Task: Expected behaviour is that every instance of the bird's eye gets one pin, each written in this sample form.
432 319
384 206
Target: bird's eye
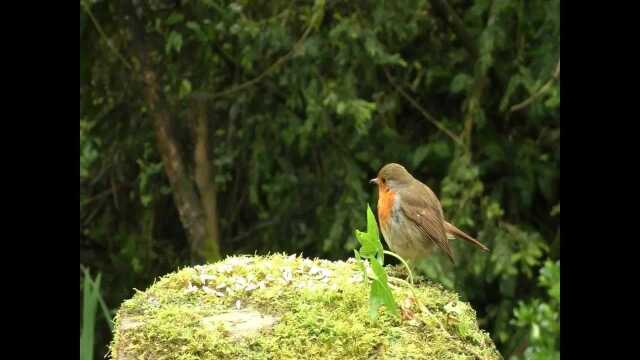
384 180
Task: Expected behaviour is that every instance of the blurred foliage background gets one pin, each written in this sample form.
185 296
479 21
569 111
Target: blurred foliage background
216 127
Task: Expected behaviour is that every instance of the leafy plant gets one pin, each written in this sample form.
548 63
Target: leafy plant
541 317
373 251
91 297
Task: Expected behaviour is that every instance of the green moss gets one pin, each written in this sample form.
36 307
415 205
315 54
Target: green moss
287 307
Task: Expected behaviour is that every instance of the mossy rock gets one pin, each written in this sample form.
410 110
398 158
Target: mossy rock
288 307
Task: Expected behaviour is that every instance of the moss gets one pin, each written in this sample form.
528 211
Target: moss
288 307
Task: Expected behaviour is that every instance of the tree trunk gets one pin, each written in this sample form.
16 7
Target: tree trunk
189 207
204 180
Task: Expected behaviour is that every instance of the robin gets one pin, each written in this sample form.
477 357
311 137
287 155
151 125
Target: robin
410 215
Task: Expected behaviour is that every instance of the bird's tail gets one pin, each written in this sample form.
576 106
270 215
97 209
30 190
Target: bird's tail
451 229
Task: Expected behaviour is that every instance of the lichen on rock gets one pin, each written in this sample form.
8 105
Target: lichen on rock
289 307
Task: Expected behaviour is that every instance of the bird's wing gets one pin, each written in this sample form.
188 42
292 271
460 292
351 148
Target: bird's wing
423 208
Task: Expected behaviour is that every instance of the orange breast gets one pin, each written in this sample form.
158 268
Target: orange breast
386 200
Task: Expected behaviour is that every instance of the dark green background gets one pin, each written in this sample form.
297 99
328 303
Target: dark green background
303 102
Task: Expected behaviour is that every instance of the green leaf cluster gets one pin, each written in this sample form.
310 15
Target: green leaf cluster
372 250
540 317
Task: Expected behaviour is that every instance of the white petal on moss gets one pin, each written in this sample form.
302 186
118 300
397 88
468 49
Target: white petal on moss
154 302
211 291
239 282
191 288
319 273
206 277
239 261
225 268
454 307
287 275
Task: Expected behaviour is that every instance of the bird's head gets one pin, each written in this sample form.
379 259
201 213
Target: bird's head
391 177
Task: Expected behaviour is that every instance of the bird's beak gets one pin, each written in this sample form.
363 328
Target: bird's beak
374 181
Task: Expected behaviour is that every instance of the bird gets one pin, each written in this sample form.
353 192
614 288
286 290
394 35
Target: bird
411 217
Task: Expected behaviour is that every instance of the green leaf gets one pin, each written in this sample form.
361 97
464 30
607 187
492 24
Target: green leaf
440 149
174 42
317 13
555 210
376 298
235 7
185 88
361 111
535 331
378 270
554 99
550 278
419 155
460 83
368 249
513 84
195 27
361 265
174 18
372 230
379 55
381 295
146 200
389 301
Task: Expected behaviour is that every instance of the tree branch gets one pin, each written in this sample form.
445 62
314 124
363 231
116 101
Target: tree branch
446 12
480 82
424 113
207 96
227 59
255 229
540 92
103 35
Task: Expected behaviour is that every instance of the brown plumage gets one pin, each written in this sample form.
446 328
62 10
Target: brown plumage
411 217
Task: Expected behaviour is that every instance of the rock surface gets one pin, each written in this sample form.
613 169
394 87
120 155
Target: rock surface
288 307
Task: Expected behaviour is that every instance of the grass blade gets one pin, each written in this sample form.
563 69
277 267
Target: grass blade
103 304
89 304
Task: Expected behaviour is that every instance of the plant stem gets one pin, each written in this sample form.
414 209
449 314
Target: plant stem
403 262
